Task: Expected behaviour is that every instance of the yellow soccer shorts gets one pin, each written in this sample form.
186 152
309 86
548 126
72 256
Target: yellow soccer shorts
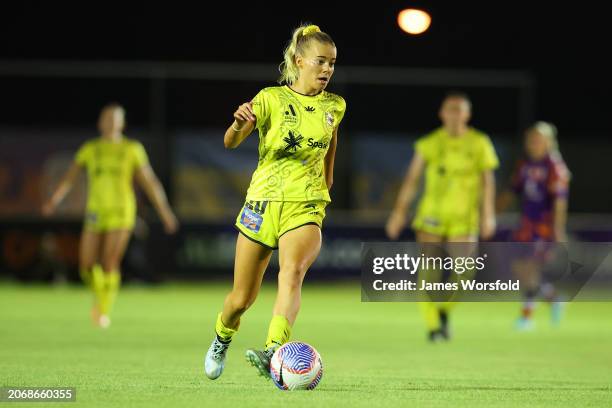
103 220
447 225
266 221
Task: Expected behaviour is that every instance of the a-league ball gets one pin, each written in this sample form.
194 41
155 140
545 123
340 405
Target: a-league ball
296 366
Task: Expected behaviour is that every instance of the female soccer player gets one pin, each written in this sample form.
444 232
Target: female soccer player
458 201
541 181
285 203
111 161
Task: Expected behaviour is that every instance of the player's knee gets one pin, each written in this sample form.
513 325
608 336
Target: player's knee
292 274
241 301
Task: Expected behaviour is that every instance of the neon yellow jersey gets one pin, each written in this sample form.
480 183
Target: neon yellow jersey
453 175
110 169
294 135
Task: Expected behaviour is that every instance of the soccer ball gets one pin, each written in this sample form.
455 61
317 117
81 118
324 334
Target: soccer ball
296 366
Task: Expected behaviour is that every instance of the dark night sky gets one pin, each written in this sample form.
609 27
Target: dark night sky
564 47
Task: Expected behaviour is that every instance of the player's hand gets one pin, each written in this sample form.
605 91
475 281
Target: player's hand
560 236
170 222
47 209
488 225
244 114
395 225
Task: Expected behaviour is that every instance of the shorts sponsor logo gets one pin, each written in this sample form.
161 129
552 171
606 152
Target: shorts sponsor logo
251 220
257 206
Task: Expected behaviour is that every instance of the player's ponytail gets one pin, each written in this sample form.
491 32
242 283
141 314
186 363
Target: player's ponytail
549 131
301 38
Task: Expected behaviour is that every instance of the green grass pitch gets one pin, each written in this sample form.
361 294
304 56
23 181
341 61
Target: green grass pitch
374 355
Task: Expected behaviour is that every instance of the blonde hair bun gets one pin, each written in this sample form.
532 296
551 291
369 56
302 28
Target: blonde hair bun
300 40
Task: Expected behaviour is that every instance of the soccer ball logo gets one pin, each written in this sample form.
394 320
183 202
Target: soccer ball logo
296 366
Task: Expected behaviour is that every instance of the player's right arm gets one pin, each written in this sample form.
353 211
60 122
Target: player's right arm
508 197
62 189
560 219
243 125
488 223
408 190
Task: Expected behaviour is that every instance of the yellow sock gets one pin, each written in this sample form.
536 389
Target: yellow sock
224 332
430 313
113 282
98 283
447 306
278 332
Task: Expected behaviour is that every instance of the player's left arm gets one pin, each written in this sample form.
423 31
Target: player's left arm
488 222
560 219
488 163
329 159
146 178
559 187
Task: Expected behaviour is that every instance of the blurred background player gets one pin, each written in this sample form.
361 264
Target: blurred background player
458 200
112 162
541 182
285 203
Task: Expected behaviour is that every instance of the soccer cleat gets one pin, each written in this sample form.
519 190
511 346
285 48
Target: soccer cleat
444 326
445 333
98 319
260 360
524 324
215 358
104 321
435 336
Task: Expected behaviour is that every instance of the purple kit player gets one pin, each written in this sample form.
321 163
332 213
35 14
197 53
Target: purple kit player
541 181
